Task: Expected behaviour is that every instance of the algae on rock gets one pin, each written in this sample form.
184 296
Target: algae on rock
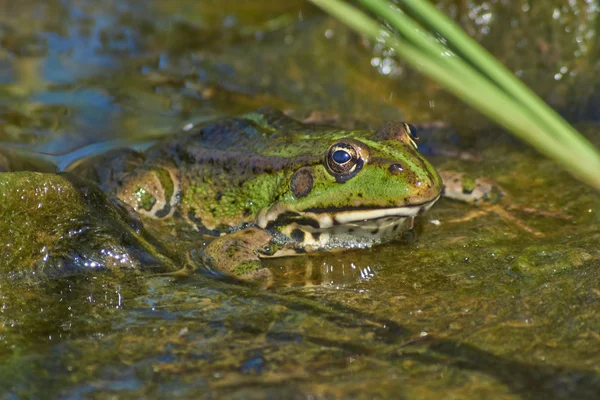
57 224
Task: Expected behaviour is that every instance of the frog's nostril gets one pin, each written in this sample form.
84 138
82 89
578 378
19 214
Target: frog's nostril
395 169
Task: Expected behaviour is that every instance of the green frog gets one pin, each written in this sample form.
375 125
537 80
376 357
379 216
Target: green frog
266 185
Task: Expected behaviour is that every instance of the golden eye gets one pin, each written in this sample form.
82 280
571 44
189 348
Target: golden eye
344 160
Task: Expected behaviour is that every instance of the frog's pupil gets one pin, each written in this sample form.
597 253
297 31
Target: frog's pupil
341 156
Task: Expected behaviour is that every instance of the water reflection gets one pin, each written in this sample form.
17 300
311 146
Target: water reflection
321 270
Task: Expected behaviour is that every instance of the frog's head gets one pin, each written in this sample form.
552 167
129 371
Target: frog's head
363 190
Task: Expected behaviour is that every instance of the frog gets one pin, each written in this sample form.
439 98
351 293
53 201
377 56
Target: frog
265 185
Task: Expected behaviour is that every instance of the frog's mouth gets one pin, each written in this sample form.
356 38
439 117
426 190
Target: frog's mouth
327 229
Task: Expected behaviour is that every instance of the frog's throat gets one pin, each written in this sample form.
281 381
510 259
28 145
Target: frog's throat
339 229
328 218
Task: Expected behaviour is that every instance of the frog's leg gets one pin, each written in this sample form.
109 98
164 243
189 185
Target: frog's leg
486 194
236 254
502 213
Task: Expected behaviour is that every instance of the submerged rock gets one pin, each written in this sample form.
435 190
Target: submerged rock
57 224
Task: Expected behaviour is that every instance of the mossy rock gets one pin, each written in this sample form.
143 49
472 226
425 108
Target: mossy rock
57 224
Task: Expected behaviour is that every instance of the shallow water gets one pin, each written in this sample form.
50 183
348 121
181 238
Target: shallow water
477 308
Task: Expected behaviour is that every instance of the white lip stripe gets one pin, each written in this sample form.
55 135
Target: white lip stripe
326 219
362 215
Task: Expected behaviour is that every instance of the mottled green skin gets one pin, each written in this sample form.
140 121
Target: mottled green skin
233 168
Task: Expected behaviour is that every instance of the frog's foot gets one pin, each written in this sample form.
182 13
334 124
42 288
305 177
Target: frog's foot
502 213
461 187
236 255
486 194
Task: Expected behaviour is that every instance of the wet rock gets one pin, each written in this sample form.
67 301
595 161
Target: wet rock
58 224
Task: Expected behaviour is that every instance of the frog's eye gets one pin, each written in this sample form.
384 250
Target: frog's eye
344 160
413 134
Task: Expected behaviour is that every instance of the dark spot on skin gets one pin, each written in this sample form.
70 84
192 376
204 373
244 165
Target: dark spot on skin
297 235
201 228
289 214
396 227
411 177
302 182
467 190
308 222
351 230
300 251
456 180
316 235
272 225
287 218
192 217
395 169
376 231
163 212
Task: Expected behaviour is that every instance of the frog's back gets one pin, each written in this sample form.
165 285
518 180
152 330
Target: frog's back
264 132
